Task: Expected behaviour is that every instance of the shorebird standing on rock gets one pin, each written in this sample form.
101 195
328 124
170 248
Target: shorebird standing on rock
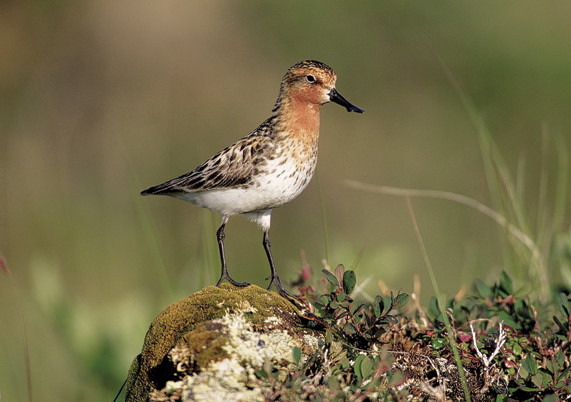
270 166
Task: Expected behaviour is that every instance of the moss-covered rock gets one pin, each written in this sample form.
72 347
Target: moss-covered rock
214 331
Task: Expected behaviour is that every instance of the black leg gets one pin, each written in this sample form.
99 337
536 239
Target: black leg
220 236
275 279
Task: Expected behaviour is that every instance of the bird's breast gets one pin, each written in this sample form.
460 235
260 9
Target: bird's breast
286 174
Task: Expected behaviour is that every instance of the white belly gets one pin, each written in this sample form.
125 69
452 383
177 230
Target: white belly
278 184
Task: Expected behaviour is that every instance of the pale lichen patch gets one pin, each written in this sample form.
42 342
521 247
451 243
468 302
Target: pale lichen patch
221 381
248 350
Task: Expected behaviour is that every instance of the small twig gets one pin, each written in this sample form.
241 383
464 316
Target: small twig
415 296
499 344
421 313
487 360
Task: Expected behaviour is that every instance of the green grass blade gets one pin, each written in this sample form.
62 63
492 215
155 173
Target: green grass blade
441 301
323 217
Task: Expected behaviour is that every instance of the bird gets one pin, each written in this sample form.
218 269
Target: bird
268 167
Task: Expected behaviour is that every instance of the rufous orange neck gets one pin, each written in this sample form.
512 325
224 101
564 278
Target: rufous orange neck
300 119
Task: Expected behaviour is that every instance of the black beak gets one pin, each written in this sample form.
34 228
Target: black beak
336 97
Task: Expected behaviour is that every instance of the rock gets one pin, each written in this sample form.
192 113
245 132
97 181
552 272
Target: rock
209 345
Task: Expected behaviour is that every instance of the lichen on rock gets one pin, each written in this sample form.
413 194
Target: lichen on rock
212 342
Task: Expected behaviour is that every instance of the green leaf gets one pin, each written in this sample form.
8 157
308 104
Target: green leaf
516 349
483 289
564 373
296 355
508 320
344 362
367 367
530 364
349 281
559 324
538 379
349 329
552 367
357 367
560 358
506 283
322 300
401 300
378 306
438 343
341 297
332 279
529 389
328 337
434 309
550 398
563 304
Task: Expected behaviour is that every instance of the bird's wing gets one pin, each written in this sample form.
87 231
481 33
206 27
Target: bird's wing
231 167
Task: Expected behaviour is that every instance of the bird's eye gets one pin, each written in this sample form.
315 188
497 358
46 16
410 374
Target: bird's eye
310 78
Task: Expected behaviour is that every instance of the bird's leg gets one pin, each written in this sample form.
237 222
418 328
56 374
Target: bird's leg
275 279
220 236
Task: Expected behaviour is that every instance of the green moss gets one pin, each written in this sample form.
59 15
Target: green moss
183 316
206 345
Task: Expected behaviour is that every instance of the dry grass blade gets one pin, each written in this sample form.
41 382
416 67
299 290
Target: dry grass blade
450 196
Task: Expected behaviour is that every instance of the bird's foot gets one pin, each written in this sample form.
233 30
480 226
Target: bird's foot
283 291
232 281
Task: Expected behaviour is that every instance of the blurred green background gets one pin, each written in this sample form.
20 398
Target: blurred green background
100 99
